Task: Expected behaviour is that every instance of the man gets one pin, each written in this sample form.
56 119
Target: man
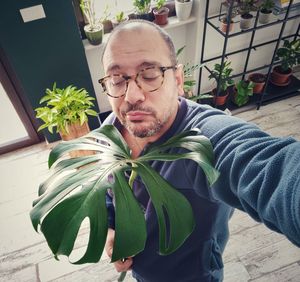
259 173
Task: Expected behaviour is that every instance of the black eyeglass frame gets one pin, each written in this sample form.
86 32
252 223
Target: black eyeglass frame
134 77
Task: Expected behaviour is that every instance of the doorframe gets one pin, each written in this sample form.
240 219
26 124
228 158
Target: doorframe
10 85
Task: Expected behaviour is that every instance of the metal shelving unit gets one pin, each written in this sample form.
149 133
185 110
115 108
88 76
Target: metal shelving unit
270 92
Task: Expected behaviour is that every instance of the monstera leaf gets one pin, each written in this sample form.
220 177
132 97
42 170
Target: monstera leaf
76 190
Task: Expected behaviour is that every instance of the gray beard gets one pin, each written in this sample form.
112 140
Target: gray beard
151 130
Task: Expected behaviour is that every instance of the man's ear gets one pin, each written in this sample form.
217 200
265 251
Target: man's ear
179 76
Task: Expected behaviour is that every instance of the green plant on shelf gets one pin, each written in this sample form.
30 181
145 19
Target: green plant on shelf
244 89
266 5
222 75
142 6
289 54
188 71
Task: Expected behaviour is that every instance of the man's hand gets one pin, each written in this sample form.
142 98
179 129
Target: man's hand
120 265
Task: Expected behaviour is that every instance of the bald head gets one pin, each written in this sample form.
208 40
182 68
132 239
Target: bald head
141 27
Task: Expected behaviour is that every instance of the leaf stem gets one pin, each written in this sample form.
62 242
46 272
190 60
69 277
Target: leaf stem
133 175
122 276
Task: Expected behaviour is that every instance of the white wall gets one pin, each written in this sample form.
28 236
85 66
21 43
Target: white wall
190 33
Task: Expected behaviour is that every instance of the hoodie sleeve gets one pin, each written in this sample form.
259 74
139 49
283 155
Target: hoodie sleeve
260 174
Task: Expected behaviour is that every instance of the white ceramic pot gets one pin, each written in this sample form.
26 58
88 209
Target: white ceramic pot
264 17
183 9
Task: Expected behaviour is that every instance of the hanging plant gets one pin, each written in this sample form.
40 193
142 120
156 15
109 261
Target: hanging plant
77 187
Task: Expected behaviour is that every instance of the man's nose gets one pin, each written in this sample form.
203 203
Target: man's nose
134 93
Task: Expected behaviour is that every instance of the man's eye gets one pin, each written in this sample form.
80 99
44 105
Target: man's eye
117 81
149 78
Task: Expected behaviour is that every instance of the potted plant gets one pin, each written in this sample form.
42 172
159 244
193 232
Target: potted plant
183 9
265 11
66 110
221 74
94 29
242 91
142 8
188 81
245 7
289 55
77 190
259 81
106 22
227 22
119 17
161 12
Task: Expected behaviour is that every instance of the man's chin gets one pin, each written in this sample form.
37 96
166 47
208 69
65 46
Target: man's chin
141 130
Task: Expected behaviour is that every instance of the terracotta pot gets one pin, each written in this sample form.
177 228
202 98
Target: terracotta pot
221 99
280 78
161 15
107 26
75 131
224 26
259 81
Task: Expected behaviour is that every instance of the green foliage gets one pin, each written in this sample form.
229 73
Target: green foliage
106 14
88 9
222 75
266 5
188 71
289 54
64 107
246 6
160 4
77 188
120 17
244 90
142 6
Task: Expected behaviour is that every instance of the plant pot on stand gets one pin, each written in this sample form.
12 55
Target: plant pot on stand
94 34
183 9
246 21
225 25
221 98
281 77
161 15
259 81
264 16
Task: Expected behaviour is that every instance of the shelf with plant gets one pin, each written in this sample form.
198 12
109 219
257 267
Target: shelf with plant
222 74
242 91
265 11
288 56
161 12
94 29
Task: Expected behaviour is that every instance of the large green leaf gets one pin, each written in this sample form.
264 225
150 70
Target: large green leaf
171 208
77 187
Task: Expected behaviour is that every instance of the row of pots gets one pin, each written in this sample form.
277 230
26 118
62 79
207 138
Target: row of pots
278 78
180 9
246 21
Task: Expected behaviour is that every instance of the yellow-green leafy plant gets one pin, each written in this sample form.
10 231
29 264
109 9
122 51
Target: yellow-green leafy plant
63 107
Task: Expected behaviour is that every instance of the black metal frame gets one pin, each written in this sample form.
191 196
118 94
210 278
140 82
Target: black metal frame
264 97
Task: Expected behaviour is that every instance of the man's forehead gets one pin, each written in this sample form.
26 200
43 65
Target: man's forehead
137 41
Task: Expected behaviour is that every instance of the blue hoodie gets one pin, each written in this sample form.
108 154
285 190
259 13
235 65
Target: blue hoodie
260 174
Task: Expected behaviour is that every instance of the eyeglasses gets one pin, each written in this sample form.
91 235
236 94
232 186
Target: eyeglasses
148 79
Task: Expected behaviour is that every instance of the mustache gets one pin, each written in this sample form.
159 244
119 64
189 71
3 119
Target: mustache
137 107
